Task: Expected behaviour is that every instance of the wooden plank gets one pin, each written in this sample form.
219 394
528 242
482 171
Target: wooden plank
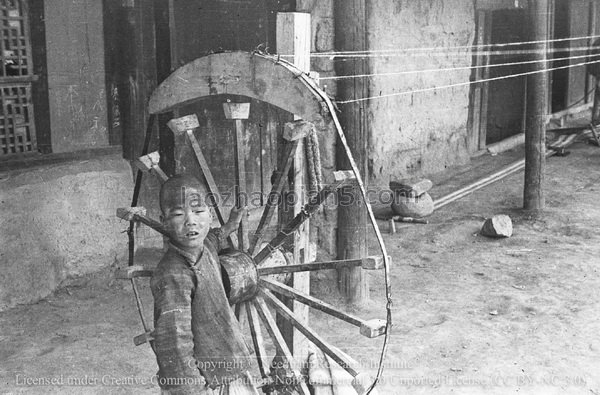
293 32
311 301
293 38
348 365
264 80
241 193
369 263
257 339
206 173
279 342
368 328
133 272
134 216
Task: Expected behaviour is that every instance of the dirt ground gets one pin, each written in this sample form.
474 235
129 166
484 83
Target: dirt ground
472 315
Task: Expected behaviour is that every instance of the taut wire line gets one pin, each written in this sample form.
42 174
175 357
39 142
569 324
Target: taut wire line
344 58
463 83
428 49
393 73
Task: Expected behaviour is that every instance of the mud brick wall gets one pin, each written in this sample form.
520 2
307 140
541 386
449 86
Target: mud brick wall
58 222
418 133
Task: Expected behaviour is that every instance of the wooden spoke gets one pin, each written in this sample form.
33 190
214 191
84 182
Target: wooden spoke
279 342
342 360
368 263
206 173
310 208
274 195
131 214
371 328
241 196
210 181
257 339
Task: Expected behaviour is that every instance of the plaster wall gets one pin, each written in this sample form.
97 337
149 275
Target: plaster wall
58 222
418 133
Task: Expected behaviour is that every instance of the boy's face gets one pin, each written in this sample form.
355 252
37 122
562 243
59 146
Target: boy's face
186 217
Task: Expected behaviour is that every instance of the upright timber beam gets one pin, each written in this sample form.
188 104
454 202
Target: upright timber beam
293 38
351 35
537 99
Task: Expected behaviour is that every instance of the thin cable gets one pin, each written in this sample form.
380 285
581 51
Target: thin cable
428 49
463 83
452 68
477 53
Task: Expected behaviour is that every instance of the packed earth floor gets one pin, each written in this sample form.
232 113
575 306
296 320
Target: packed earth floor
472 315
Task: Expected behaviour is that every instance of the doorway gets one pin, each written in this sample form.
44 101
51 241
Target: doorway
506 100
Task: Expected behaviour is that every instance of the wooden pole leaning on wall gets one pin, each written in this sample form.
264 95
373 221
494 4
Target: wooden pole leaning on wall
537 100
350 35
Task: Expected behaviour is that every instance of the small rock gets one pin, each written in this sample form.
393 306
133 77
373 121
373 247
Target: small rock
416 207
497 226
494 312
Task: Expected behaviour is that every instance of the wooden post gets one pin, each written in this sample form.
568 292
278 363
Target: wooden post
293 38
537 98
239 112
350 35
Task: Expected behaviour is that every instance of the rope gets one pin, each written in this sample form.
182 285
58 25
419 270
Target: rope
463 83
313 156
453 68
430 49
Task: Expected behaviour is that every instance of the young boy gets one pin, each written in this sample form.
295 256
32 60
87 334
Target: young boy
197 339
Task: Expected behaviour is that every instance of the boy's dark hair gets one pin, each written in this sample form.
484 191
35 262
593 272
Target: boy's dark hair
175 186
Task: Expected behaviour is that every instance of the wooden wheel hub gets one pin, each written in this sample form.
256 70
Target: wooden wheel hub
240 276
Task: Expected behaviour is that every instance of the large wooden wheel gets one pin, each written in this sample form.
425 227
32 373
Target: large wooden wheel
253 272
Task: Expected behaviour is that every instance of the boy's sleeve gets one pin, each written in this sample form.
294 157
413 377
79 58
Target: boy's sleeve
217 240
173 338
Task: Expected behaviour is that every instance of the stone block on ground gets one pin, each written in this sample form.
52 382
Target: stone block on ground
497 226
415 207
411 187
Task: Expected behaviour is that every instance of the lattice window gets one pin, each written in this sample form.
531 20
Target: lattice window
16 123
17 131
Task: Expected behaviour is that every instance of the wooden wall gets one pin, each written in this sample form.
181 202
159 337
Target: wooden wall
75 62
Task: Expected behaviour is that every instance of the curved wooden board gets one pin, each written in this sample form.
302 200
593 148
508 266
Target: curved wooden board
238 73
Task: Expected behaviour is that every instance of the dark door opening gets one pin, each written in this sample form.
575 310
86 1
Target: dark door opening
560 77
506 100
